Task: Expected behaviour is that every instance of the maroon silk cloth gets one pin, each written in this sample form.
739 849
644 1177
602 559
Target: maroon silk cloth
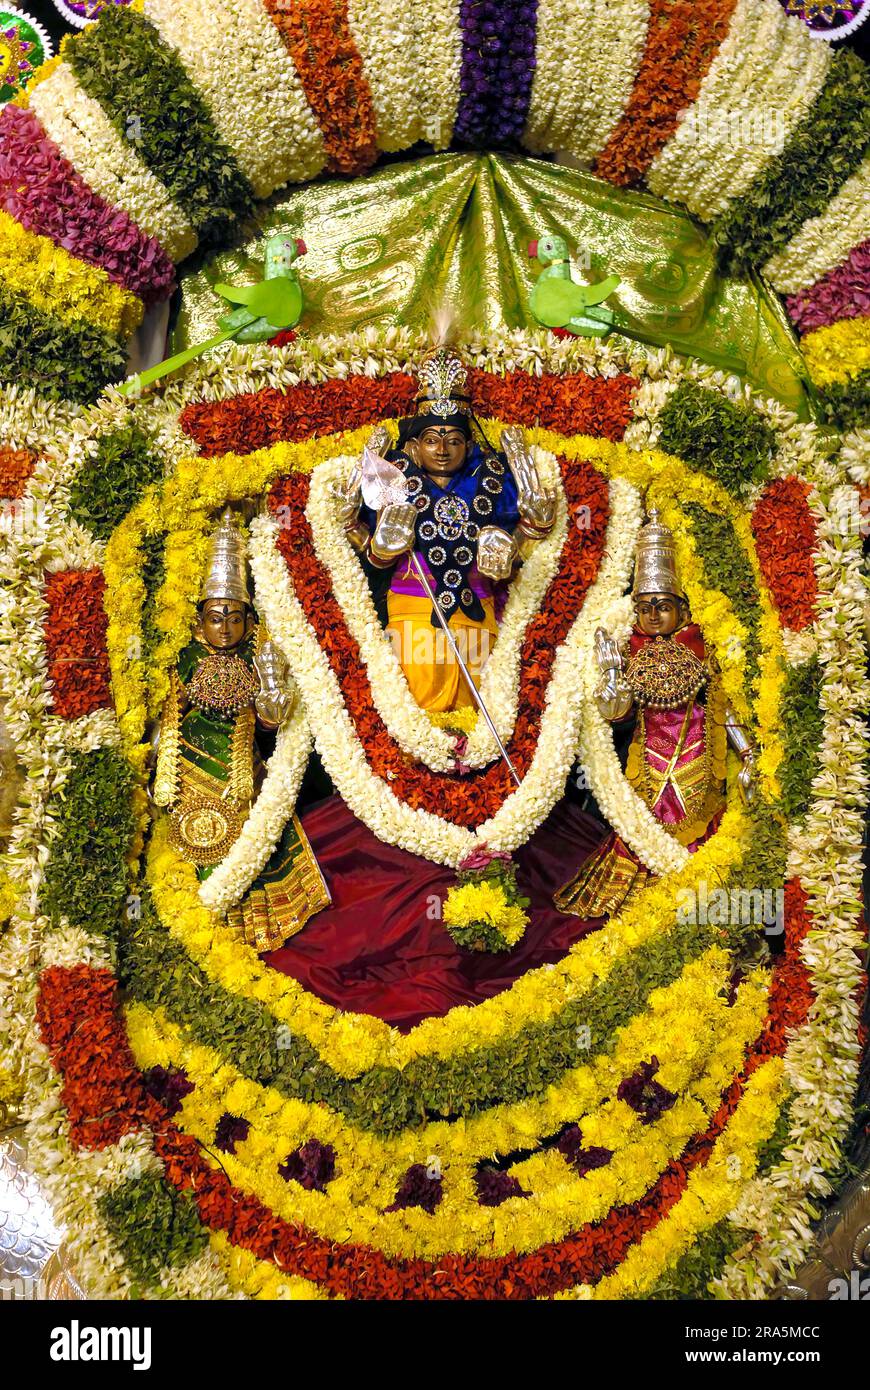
381 949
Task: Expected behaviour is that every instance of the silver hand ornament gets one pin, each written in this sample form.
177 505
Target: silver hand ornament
496 552
536 504
612 695
276 696
395 531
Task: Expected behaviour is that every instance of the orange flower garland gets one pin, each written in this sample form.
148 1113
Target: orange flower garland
16 466
575 404
317 36
683 38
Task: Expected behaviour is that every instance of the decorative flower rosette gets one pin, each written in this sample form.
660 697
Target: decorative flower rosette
661 1110
24 47
82 12
829 21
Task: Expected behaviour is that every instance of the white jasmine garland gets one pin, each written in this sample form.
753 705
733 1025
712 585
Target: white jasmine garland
822 1059
369 797
437 66
745 112
234 55
824 241
499 686
800 647
385 38
587 60
83 133
262 830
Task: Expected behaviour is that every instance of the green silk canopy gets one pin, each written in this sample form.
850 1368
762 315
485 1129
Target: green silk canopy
455 228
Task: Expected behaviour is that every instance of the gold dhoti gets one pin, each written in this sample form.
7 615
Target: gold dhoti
431 669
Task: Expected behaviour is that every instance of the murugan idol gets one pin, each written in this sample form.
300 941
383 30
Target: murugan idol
676 758
472 516
227 681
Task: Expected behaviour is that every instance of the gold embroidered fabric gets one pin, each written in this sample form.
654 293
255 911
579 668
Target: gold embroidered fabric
455 228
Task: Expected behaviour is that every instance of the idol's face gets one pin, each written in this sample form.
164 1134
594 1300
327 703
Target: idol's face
224 623
659 615
441 450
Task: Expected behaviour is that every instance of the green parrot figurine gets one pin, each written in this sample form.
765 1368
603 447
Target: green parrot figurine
273 304
559 302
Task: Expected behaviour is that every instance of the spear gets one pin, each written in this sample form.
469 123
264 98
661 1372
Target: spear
384 484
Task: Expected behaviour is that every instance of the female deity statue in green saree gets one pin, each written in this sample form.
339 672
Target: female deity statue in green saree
228 681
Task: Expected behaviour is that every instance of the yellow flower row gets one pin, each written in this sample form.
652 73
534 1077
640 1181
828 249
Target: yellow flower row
59 284
839 352
352 1043
485 902
711 1192
369 1170
261 1279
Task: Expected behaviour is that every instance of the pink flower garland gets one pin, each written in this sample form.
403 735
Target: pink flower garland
844 293
42 190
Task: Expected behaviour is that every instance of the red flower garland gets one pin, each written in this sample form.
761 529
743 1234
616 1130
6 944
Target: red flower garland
471 799
79 1023
683 38
77 1014
575 404
75 640
786 540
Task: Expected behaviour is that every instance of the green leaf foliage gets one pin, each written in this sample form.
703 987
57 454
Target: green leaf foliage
143 87
728 441
803 722
60 361
727 568
126 463
153 1225
846 405
86 878
825 150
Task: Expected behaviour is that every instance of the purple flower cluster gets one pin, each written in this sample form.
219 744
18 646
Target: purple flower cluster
231 1130
418 1190
844 293
168 1087
570 1145
312 1165
494 1187
648 1097
498 64
42 191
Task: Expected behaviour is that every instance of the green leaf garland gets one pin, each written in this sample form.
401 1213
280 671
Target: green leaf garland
143 87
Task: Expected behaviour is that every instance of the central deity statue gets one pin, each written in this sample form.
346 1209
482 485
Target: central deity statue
472 516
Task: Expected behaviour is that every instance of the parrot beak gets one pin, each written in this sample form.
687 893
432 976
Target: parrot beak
533 251
301 248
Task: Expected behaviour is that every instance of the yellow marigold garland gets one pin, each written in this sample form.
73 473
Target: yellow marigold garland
369 1170
59 284
351 1043
839 352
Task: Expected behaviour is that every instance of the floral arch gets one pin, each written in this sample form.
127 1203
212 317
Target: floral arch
186 1149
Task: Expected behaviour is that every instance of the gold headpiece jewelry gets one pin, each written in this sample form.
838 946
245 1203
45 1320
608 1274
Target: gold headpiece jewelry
655 568
227 573
442 378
